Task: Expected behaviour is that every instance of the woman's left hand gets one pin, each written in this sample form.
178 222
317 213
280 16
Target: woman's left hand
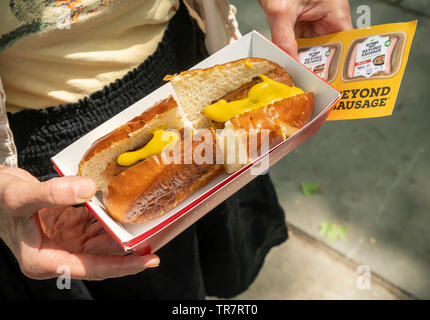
291 19
44 231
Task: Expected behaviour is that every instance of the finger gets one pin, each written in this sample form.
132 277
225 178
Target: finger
54 193
305 29
102 244
330 24
282 29
344 16
94 229
345 24
94 267
18 172
90 267
56 218
336 19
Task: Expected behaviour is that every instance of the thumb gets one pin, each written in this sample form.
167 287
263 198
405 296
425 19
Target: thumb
282 29
57 192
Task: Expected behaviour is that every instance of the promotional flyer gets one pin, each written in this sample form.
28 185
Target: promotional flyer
366 65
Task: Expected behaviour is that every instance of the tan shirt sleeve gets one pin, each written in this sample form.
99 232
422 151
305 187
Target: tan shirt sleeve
219 19
8 155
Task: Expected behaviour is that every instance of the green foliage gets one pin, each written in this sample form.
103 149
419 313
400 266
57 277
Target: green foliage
309 188
333 231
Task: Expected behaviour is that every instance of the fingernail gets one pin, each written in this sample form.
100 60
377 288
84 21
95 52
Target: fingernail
85 189
153 263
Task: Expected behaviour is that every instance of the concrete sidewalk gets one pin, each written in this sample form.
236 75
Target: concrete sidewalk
375 180
305 268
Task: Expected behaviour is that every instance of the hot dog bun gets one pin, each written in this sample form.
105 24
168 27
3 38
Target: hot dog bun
129 136
200 87
281 119
151 187
232 81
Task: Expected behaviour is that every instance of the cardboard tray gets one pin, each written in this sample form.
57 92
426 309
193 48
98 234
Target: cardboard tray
152 235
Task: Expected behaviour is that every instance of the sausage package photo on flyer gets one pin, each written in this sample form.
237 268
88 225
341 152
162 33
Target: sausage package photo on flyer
366 65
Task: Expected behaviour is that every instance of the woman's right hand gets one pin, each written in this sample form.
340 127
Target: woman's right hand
44 232
291 19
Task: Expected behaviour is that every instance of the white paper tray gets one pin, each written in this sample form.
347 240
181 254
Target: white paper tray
152 235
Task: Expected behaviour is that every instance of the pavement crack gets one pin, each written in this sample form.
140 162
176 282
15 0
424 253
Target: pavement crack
387 196
396 182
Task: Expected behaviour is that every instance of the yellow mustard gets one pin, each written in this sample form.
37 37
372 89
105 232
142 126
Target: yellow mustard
262 94
161 139
249 65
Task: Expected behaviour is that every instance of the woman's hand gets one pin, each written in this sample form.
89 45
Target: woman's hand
44 232
290 19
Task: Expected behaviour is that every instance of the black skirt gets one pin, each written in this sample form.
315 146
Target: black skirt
220 255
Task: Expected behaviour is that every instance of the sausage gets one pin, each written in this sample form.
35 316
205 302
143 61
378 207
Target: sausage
388 58
325 75
351 63
390 50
